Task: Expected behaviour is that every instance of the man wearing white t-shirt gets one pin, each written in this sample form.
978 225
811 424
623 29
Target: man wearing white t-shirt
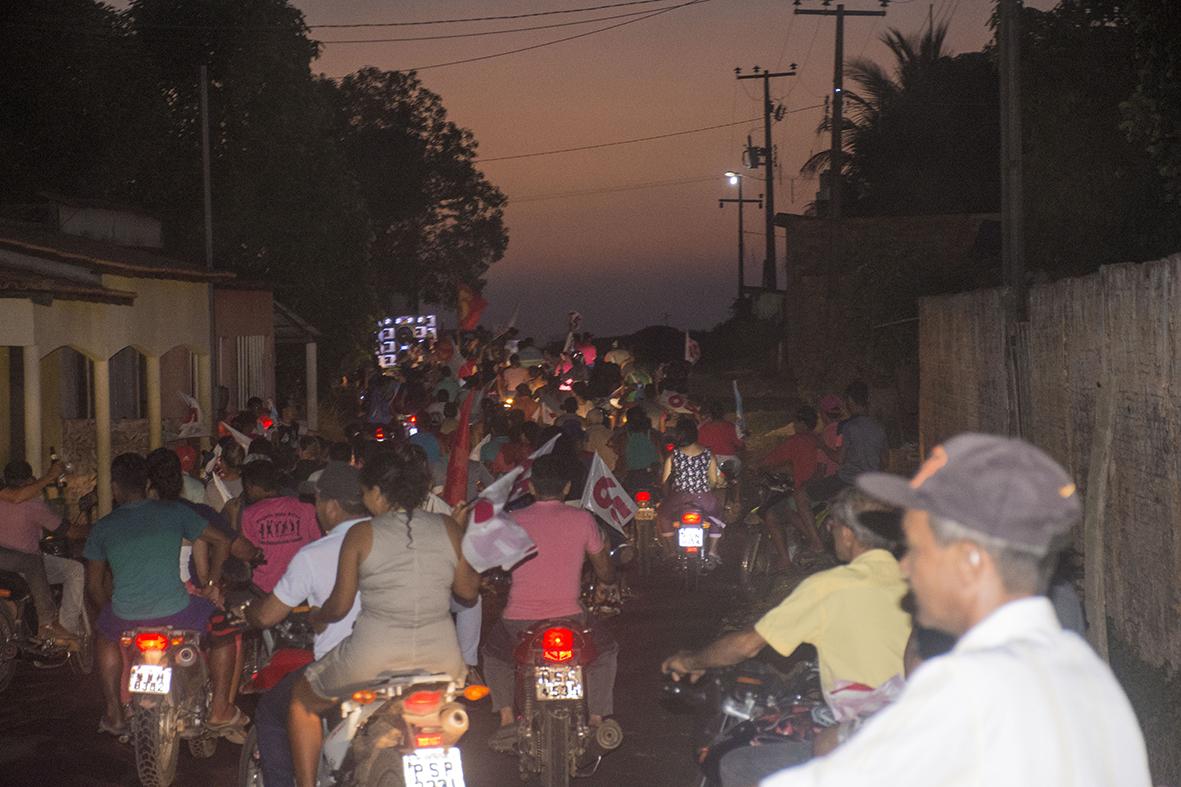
1017 701
309 577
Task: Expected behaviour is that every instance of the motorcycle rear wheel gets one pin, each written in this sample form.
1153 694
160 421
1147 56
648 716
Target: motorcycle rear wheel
250 762
7 660
386 770
690 572
156 746
555 747
754 571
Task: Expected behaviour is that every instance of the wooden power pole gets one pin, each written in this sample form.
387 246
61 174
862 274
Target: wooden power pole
767 154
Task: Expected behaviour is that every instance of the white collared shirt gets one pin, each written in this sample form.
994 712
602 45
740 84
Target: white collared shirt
310 576
1018 701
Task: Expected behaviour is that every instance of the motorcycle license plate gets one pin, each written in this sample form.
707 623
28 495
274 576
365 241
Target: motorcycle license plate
433 768
559 683
691 537
149 679
646 514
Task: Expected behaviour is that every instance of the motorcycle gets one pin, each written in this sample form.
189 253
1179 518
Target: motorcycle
746 704
554 739
756 567
692 545
18 630
167 688
644 531
400 729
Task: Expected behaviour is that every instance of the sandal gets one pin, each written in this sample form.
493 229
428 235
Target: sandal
233 730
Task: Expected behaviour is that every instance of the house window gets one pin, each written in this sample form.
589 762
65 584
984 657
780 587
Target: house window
251 368
129 388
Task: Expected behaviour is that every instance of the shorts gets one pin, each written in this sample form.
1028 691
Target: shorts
195 616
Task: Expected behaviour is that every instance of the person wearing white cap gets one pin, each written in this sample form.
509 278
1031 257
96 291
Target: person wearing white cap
1017 701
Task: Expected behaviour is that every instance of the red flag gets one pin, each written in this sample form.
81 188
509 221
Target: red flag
470 307
455 489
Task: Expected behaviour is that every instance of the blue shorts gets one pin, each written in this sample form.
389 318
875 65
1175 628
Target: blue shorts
195 616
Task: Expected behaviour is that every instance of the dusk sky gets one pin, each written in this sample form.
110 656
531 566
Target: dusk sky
631 251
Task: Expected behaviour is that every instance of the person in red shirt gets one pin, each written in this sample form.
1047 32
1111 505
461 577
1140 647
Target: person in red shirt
798 456
721 436
276 524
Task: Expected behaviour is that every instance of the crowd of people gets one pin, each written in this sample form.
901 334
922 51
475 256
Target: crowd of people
941 661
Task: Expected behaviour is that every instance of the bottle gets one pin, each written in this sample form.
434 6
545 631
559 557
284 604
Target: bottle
60 483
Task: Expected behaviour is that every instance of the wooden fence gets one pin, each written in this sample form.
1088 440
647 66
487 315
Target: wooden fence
1104 360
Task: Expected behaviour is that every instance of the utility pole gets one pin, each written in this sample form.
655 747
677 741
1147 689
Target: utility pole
735 178
1012 190
836 155
768 158
214 361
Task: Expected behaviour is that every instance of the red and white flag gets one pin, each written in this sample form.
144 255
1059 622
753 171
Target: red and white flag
692 349
604 497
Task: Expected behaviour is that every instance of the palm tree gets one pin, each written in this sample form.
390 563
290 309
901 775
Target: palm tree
892 107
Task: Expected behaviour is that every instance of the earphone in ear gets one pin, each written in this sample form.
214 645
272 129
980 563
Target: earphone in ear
974 558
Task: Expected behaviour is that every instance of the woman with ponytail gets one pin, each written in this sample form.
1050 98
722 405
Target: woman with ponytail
406 563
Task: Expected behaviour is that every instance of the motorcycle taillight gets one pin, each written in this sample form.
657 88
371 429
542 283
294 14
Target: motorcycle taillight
427 740
691 518
557 644
151 640
421 703
643 498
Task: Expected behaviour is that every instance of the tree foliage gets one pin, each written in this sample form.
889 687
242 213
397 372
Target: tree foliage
1153 113
336 194
1091 197
920 136
437 220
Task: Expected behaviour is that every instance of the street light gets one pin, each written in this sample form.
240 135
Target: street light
736 180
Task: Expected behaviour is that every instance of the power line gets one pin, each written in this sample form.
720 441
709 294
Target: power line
501 17
543 44
633 140
419 23
480 33
612 190
617 142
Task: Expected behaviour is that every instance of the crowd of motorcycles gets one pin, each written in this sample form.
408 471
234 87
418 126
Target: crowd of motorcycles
403 729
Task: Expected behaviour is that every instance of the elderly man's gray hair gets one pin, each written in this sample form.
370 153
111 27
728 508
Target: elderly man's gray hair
1022 569
851 502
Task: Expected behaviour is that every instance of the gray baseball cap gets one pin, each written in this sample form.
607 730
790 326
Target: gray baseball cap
339 481
997 486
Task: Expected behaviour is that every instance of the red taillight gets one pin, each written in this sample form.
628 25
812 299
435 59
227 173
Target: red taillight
691 518
267 423
427 740
150 640
379 434
557 644
691 550
668 448
413 419
643 497
421 703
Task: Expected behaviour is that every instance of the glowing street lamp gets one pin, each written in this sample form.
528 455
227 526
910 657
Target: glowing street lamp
736 180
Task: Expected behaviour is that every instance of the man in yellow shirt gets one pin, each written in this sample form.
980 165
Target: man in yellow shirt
853 616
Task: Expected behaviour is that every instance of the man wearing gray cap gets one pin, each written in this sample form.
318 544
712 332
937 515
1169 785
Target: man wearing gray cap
309 576
1018 701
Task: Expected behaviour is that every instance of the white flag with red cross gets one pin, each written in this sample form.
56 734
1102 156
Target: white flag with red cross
604 496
